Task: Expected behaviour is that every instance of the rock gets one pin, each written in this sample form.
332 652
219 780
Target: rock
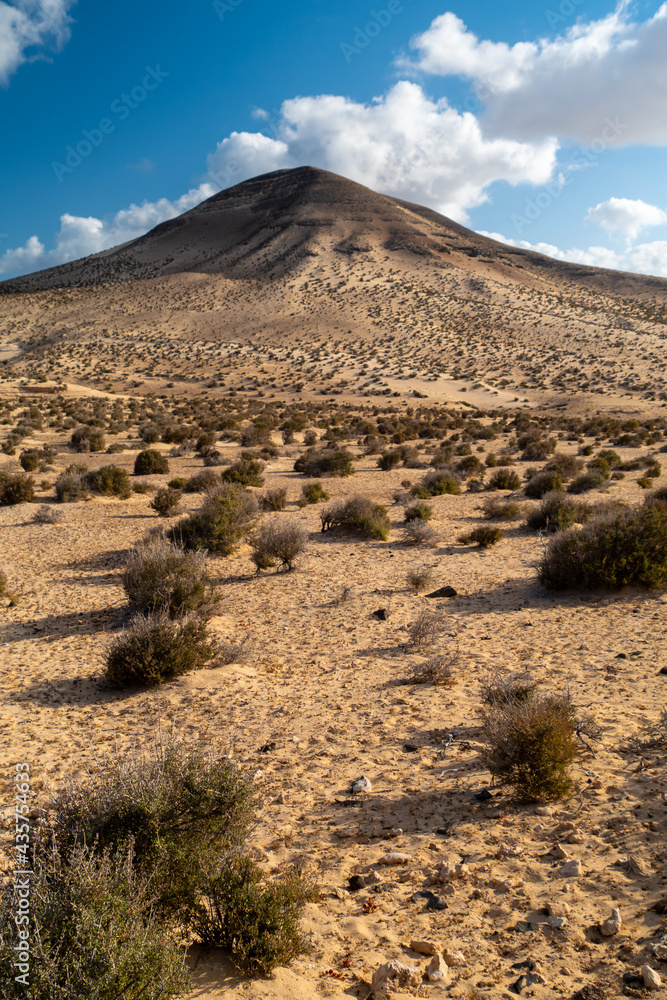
652 980
576 837
362 784
446 872
509 851
638 867
425 947
544 811
570 869
558 909
484 795
454 959
357 882
433 902
559 851
437 970
381 614
523 982
612 924
394 975
444 592
557 922
395 858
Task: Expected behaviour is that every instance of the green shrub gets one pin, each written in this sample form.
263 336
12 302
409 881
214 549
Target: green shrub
116 448
586 481
142 488
274 499
314 493
93 933
557 512
159 576
543 482
156 648
201 482
565 465
29 460
150 463
437 483
418 512
599 466
279 542
389 460
484 537
226 515
16 489
70 485
110 481
504 479
657 496
245 472
613 551
334 462
180 483
86 439
166 501
531 745
358 514
255 920
499 510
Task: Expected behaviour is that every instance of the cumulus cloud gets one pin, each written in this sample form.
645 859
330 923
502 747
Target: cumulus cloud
79 236
644 258
625 216
30 25
403 144
566 86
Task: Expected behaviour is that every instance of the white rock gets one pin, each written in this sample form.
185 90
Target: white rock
395 858
570 868
652 980
437 970
394 975
362 784
612 924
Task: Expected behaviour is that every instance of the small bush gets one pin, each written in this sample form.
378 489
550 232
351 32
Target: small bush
543 482
438 483
70 485
116 448
439 670
314 493
499 689
418 512
557 512
160 576
426 629
585 482
46 515
419 579
166 501
358 514
613 551
420 533
498 510
156 648
227 514
110 481
565 465
484 537
86 439
657 496
334 462
150 463
142 488
531 746
274 499
279 542
16 489
179 483
245 472
35 458
201 482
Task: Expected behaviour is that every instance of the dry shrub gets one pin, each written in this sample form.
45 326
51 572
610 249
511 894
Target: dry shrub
274 499
484 537
418 512
156 648
587 481
358 514
543 482
16 489
420 533
232 652
504 479
500 689
439 670
161 576
531 746
334 462
166 501
245 472
47 515
226 516
558 512
419 579
201 482
426 629
503 510
279 542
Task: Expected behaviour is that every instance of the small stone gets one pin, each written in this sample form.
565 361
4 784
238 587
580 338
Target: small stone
559 851
362 784
576 837
570 868
558 909
557 922
544 811
444 592
437 970
612 924
454 959
393 975
433 902
447 872
425 947
638 867
395 858
381 614
652 980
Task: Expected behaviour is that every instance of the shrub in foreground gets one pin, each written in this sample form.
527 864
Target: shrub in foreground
436 484
314 493
558 512
166 501
70 485
16 489
531 745
156 648
418 512
110 481
274 499
613 551
358 514
150 463
543 482
279 542
334 462
160 576
245 472
227 514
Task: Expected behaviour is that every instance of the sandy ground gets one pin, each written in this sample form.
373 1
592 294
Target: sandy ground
323 683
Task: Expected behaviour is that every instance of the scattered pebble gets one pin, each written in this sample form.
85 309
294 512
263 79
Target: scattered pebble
362 784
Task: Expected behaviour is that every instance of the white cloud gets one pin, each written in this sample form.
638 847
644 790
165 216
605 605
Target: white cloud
566 86
403 144
79 236
27 25
625 216
645 258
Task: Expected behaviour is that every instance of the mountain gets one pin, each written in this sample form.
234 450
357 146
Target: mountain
305 258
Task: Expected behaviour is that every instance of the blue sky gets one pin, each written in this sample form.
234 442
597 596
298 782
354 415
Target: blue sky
545 125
